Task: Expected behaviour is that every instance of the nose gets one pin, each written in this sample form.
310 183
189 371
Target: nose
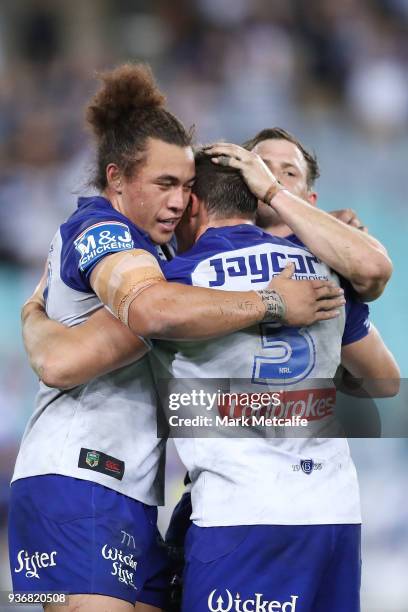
178 199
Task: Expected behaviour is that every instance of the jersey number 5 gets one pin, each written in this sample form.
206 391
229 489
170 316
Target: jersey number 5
289 355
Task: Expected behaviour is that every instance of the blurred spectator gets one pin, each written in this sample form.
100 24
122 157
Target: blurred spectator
230 67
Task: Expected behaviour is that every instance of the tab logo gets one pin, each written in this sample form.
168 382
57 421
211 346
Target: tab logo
102 238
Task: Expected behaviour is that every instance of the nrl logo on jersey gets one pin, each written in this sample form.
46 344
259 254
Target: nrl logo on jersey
227 603
92 458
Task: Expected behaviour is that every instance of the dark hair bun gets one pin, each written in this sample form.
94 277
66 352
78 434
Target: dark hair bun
127 92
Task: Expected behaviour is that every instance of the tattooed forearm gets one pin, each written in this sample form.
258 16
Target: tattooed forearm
274 304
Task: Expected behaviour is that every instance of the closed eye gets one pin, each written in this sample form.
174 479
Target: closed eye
165 184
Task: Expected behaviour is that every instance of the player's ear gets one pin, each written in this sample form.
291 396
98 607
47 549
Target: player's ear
114 177
312 198
194 205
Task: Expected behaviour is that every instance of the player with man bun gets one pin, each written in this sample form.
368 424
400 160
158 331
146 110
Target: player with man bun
238 489
89 476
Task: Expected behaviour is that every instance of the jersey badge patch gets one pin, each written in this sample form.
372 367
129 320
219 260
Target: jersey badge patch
99 462
307 465
102 239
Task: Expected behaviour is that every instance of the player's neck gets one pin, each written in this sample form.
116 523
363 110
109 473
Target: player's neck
114 199
222 223
281 230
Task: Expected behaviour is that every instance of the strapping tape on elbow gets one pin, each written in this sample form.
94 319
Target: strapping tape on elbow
121 277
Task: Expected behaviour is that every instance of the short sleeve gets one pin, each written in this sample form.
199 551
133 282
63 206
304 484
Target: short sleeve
86 241
357 324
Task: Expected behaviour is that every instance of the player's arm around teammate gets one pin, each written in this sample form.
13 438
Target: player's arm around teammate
134 288
354 254
64 357
106 344
104 435
371 363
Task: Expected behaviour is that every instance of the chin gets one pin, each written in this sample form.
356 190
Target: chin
162 238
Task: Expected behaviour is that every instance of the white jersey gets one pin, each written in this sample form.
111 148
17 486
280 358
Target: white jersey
104 431
273 478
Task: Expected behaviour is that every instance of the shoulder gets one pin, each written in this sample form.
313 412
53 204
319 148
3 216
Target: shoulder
96 228
179 269
94 231
92 215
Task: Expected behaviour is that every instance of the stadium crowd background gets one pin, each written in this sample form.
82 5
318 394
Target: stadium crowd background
333 73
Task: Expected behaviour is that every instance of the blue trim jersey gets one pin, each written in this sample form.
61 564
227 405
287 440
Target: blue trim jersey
276 478
357 323
95 230
182 268
104 431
